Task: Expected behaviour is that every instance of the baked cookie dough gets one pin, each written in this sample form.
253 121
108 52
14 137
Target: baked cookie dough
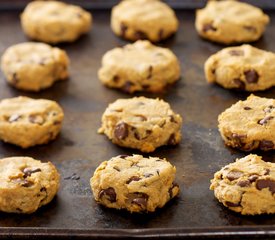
28 122
26 184
34 66
139 67
249 124
54 21
230 22
141 123
246 186
244 67
135 183
143 19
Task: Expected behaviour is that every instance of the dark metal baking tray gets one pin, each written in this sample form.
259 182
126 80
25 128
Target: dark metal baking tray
79 149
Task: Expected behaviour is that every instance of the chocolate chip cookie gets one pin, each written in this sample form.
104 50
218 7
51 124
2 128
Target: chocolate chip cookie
28 122
244 67
139 67
135 183
34 66
143 19
55 21
249 124
246 186
230 22
141 123
26 184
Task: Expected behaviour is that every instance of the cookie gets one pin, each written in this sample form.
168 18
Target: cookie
246 186
135 183
34 66
28 122
249 124
244 67
139 67
54 21
229 22
141 123
26 184
143 19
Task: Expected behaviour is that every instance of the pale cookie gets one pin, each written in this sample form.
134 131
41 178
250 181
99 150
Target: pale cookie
135 183
230 22
27 122
249 124
54 21
143 19
246 186
26 184
34 66
141 123
245 67
139 67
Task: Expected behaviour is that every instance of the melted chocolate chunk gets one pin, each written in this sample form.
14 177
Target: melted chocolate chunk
269 109
265 120
109 193
243 183
231 204
247 108
238 138
266 183
116 168
36 119
251 76
123 156
140 199
266 145
14 118
239 84
140 35
266 171
121 131
172 140
172 119
234 175
116 79
253 178
28 172
147 175
208 27
127 87
133 178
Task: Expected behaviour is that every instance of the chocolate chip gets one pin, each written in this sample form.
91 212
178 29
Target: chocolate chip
116 168
116 78
123 156
109 193
236 52
140 35
140 199
251 76
160 34
133 178
250 28
150 70
266 145
243 183
14 118
123 29
158 172
231 204
269 109
147 175
247 108
28 172
213 71
43 189
127 87
170 191
266 171
265 120
253 178
36 119
23 182
233 175
208 27
266 183
172 140
136 134
238 138
172 119
239 84
121 131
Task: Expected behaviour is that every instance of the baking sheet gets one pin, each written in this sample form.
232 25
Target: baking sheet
79 149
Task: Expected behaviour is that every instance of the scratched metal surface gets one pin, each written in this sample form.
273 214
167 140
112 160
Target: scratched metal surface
79 149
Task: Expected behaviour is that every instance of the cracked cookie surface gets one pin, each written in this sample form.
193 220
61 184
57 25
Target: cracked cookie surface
34 66
230 22
141 123
27 122
249 124
244 67
26 184
139 67
135 183
54 21
246 186
143 19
